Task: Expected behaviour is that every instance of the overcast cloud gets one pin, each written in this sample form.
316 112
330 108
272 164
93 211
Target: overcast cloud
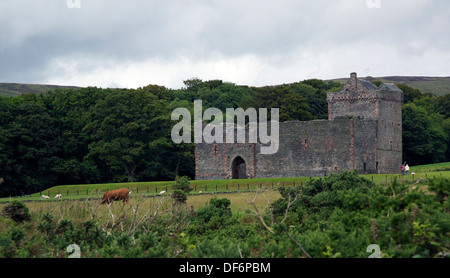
134 43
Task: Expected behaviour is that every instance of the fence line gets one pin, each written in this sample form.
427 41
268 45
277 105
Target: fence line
206 188
224 188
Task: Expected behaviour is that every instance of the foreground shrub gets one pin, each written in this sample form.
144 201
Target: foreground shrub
343 213
180 189
17 211
211 217
217 248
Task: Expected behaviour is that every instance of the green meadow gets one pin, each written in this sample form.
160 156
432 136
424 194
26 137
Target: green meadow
95 191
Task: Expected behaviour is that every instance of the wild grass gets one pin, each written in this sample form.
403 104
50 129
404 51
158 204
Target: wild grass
139 208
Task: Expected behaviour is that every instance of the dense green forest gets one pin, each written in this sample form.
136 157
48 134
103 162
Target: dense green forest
95 135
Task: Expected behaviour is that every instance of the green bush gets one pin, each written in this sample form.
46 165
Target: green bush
441 187
181 188
217 248
343 190
17 211
212 217
343 213
218 208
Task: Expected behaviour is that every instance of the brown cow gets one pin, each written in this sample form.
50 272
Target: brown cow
116 195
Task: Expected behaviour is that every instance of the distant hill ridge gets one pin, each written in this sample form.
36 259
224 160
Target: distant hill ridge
14 89
435 85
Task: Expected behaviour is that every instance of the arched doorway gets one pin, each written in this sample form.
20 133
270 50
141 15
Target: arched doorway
238 168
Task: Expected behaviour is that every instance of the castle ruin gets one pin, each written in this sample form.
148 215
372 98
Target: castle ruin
363 132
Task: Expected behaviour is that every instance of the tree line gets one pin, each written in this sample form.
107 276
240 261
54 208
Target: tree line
100 135
426 127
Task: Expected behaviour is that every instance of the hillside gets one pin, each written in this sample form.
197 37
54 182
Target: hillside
435 85
14 89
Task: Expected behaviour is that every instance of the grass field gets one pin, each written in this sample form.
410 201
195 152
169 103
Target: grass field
84 209
444 166
96 191
84 191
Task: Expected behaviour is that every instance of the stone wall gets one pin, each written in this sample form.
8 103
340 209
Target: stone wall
312 148
363 132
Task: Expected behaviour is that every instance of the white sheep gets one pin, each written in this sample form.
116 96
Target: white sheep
58 196
162 192
45 197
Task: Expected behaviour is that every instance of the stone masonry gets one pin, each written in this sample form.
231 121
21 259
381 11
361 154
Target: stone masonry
363 132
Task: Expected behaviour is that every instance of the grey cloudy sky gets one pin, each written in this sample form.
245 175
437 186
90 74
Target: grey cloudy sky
112 43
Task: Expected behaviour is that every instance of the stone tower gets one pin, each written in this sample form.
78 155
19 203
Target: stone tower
362 100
